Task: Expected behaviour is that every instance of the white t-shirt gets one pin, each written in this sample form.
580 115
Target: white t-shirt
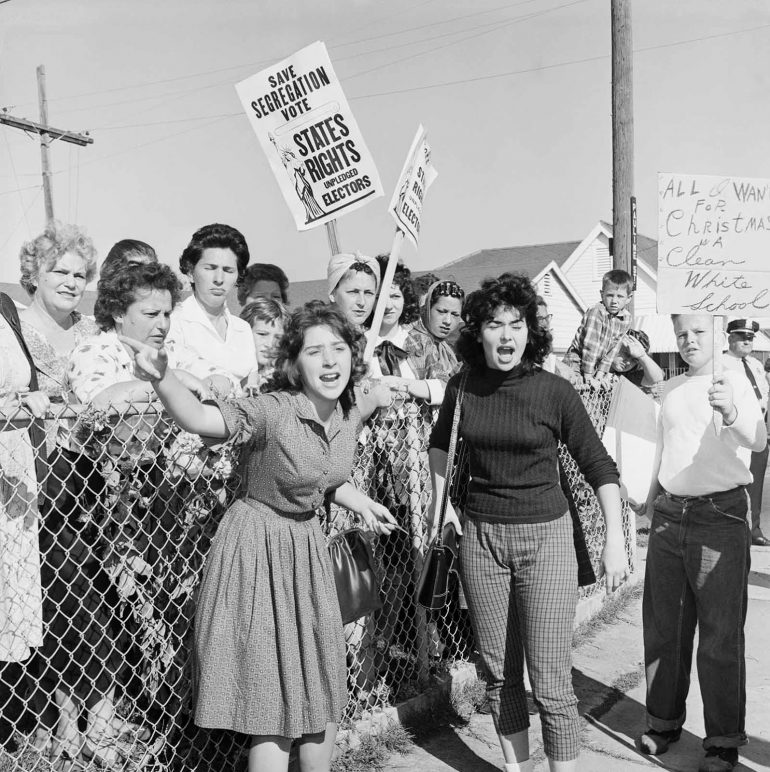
193 331
696 459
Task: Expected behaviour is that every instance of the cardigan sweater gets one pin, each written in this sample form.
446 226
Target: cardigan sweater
512 422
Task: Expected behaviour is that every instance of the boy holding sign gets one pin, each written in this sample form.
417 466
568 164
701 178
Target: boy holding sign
698 554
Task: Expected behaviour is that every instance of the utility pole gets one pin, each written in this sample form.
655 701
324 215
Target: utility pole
45 144
47 135
622 134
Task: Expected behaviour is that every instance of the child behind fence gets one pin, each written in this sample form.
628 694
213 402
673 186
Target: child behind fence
602 328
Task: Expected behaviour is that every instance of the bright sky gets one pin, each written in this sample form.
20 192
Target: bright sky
515 97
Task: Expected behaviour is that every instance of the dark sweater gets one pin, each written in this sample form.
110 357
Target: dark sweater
512 422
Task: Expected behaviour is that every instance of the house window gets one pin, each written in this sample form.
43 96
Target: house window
602 260
546 288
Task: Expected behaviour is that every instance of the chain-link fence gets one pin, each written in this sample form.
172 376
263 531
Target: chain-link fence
99 576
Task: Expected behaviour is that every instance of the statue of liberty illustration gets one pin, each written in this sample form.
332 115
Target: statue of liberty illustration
297 173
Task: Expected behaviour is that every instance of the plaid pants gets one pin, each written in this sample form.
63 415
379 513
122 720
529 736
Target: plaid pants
520 581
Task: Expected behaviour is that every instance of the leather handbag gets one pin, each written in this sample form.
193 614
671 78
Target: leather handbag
439 570
358 587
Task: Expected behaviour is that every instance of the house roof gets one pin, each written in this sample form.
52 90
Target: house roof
530 260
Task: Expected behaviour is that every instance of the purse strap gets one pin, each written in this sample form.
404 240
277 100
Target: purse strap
450 457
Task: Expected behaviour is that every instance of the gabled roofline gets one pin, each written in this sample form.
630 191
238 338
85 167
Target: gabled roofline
600 228
553 266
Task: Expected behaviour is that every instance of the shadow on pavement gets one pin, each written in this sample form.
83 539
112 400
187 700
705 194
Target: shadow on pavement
759 579
449 748
622 719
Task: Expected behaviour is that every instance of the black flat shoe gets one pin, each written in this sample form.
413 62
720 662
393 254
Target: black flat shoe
760 540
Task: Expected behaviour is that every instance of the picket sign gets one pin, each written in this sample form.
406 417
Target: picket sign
405 207
713 243
311 139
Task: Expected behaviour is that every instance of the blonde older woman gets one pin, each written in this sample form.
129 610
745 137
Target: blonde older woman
55 269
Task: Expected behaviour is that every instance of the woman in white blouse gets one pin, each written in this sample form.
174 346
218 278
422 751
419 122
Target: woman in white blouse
215 261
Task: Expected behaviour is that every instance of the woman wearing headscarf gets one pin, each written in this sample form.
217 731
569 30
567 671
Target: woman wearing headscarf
439 319
353 281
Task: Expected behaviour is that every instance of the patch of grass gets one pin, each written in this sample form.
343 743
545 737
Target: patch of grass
468 698
608 614
642 536
372 753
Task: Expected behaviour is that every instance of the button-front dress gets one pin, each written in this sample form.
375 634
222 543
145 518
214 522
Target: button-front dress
269 643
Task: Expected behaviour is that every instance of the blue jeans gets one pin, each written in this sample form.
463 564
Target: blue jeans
697 573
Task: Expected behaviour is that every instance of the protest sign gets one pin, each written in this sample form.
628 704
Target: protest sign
713 245
315 148
406 209
416 177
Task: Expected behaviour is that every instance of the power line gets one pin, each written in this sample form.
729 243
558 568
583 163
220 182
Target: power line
445 84
203 73
495 27
568 63
489 27
22 219
15 177
196 89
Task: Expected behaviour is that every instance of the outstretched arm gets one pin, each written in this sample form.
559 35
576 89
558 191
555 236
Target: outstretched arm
181 404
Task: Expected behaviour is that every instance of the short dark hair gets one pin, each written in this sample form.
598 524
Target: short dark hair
116 292
619 278
263 272
402 279
211 237
123 252
316 313
509 290
264 310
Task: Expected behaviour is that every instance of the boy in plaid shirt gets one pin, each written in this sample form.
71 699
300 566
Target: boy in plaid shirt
602 329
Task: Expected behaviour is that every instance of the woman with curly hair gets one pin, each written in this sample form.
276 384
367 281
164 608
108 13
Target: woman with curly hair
214 261
80 656
55 269
269 643
135 301
518 562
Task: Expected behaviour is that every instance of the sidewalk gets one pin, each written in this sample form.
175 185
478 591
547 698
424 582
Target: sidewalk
609 680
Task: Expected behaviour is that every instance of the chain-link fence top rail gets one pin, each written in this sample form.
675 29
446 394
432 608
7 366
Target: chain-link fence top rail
99 575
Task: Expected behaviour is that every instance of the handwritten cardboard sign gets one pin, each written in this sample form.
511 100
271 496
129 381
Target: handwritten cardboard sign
713 245
416 177
315 148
